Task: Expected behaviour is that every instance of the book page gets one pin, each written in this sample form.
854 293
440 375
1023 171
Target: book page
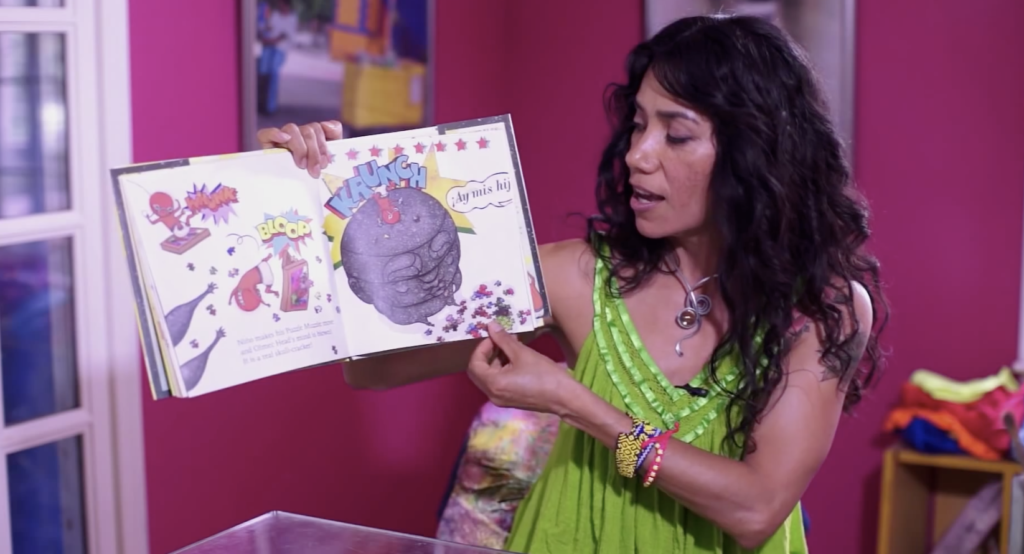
238 268
426 238
501 124
528 242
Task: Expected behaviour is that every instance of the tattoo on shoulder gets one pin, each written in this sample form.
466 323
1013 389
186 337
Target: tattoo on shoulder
846 357
799 328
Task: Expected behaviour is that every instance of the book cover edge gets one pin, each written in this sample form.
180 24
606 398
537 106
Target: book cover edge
141 311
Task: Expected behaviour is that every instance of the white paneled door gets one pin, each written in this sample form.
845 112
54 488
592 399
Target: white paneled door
71 452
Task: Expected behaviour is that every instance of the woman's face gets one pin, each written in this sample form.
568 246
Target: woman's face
670 158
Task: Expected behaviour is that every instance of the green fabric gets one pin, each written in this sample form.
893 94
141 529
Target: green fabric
581 505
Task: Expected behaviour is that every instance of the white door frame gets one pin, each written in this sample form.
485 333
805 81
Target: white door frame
109 417
111 17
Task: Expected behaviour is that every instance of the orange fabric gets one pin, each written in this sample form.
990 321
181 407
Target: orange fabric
901 417
983 418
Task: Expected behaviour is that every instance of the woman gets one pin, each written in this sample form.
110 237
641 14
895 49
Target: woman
722 298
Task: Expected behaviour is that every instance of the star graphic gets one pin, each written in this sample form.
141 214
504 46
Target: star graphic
460 144
438 187
375 151
420 147
397 150
334 226
332 182
440 146
352 154
482 143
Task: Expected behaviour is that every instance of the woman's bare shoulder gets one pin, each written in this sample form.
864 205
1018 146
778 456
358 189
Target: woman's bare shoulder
568 268
568 261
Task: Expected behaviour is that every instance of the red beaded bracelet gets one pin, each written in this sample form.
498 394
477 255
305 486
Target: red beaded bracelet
659 450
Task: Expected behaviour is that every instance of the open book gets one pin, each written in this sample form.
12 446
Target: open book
244 266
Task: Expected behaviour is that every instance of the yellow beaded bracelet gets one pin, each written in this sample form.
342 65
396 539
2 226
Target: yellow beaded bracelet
630 447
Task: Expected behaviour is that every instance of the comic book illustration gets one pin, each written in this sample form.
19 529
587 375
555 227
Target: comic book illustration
244 266
237 260
426 238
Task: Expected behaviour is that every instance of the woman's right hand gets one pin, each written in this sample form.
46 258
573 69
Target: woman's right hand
307 143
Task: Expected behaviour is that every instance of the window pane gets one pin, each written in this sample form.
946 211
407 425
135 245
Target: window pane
37 336
32 3
46 498
33 123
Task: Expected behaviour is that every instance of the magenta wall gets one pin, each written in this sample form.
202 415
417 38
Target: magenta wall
940 143
302 442
940 153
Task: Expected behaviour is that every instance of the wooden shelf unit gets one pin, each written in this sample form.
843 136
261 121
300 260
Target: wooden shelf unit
911 479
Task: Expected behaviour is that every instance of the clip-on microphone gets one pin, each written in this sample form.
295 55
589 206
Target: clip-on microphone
693 391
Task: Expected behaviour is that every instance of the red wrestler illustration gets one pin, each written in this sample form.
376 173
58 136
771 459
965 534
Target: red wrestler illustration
171 213
168 212
246 295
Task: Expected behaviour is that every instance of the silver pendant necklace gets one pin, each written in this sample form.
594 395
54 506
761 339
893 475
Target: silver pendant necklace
691 317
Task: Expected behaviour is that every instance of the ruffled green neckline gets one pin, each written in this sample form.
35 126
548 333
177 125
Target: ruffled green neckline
645 389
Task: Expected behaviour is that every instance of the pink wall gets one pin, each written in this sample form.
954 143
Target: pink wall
939 153
940 139
301 442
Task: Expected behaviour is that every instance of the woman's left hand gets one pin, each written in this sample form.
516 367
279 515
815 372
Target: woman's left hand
514 375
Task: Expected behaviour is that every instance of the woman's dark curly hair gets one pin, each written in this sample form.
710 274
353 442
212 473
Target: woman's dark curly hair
792 225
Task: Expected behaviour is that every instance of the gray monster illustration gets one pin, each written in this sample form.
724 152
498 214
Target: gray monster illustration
192 371
401 254
180 317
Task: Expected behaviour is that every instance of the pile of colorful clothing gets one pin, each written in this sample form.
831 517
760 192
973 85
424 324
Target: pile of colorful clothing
939 415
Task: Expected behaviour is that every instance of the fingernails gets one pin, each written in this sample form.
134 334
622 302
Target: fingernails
285 137
302 163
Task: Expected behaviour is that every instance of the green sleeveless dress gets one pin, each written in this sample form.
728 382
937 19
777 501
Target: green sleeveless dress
581 505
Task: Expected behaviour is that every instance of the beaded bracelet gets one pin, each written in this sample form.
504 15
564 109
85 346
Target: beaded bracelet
635 446
631 447
658 442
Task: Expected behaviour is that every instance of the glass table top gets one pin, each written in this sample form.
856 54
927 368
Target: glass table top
286 533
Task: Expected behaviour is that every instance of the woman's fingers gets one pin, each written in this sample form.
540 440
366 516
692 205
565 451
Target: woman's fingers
321 145
508 343
296 144
332 129
482 357
312 150
307 143
272 137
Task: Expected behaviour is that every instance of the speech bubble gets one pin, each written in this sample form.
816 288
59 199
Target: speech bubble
495 190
